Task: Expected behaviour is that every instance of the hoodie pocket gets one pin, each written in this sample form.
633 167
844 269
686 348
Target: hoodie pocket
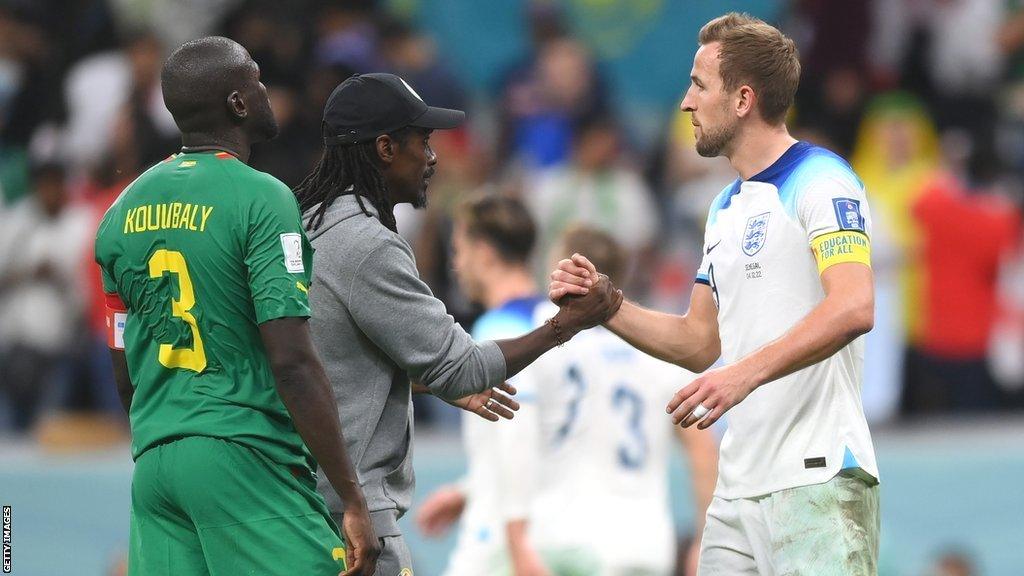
398 482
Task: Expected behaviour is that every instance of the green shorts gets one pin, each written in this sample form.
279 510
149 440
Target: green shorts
206 506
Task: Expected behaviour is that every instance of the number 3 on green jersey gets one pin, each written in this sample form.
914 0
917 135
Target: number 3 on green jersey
165 262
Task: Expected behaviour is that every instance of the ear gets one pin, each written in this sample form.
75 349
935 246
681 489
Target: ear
236 106
745 101
386 149
487 251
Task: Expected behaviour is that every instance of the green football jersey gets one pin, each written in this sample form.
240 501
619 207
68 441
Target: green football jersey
201 249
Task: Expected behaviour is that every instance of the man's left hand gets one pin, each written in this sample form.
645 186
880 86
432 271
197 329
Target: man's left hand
716 390
492 404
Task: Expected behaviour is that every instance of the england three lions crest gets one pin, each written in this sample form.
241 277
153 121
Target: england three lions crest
755 234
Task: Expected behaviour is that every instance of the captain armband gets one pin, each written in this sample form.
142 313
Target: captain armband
116 315
841 247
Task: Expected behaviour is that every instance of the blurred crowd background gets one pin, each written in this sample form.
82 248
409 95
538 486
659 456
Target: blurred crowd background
573 107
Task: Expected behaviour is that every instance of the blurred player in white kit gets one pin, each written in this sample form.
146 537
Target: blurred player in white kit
577 482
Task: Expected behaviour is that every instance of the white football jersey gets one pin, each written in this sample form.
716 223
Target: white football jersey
766 242
605 438
585 460
501 465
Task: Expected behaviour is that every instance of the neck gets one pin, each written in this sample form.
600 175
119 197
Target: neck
234 142
759 147
508 282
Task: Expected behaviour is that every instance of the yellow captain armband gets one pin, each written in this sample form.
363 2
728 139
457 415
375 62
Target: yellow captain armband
839 247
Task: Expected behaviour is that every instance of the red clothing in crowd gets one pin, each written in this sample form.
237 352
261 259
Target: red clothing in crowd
964 238
99 199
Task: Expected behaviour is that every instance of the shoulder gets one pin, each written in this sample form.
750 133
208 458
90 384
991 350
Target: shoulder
508 321
817 175
819 166
367 249
116 208
258 185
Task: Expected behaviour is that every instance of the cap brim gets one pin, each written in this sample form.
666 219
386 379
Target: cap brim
440 119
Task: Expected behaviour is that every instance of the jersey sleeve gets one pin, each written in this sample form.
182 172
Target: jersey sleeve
704 270
101 248
278 256
106 280
833 210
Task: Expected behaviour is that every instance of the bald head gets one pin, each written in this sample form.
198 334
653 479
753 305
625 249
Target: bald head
212 85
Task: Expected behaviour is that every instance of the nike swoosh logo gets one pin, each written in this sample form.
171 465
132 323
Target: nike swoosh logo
710 248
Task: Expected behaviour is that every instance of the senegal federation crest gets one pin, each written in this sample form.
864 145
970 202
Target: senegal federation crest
755 233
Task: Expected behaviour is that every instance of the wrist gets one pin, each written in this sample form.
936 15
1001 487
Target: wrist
562 327
352 495
753 373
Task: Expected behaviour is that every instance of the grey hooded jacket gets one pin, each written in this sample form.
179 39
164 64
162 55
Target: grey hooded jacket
376 325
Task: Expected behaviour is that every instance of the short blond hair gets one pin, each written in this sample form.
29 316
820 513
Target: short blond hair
757 54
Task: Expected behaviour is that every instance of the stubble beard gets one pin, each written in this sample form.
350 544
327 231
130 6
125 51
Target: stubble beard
421 200
713 142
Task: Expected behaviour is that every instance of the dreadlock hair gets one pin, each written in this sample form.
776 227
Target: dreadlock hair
351 169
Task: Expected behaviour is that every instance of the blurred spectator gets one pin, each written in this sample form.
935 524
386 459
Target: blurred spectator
40 290
1006 351
289 156
275 39
29 70
177 21
543 100
1011 42
895 153
833 52
965 237
595 188
127 79
947 51
28 75
685 184
413 56
347 36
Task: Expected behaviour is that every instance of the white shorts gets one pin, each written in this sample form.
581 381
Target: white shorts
471 558
818 530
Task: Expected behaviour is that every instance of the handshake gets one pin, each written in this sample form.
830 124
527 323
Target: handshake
584 296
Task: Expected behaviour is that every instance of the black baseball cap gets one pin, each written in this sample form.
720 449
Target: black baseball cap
365 106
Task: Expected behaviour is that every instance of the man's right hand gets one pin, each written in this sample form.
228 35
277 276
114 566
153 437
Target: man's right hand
596 306
362 546
573 276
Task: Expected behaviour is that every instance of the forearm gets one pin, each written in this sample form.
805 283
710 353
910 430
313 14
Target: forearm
305 392
523 351
669 337
519 549
823 332
419 387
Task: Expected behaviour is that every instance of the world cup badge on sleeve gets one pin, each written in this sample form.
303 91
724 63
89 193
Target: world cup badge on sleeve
755 233
848 214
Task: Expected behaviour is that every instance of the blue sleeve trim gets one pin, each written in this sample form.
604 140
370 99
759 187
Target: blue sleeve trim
702 279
